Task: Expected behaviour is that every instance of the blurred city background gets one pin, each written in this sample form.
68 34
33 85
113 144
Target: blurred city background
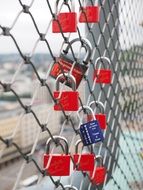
119 36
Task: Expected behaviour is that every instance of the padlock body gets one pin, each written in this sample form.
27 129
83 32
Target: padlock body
67 100
85 162
63 64
67 21
99 176
102 76
89 14
59 164
101 118
91 133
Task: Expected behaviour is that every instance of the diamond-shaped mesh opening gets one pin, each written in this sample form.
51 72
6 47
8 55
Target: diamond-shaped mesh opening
28 114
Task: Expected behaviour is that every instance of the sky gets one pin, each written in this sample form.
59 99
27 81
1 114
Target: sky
24 30
25 33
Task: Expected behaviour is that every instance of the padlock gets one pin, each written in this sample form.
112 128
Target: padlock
83 162
66 100
101 117
70 187
90 132
97 176
65 21
102 75
65 64
58 164
89 14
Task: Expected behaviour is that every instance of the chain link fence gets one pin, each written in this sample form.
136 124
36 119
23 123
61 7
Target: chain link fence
29 49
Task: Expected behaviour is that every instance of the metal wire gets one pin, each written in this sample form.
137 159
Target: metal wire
113 37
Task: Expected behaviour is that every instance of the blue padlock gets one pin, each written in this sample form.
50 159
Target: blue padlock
90 131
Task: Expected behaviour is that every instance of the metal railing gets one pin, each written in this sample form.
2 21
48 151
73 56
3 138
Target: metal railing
26 90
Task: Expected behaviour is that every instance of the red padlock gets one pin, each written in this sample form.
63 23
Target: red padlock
83 162
67 100
65 21
102 75
101 117
64 64
57 164
89 14
97 176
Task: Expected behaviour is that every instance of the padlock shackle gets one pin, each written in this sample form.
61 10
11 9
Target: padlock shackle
101 60
64 2
70 187
71 77
50 140
86 44
99 159
86 108
77 146
98 104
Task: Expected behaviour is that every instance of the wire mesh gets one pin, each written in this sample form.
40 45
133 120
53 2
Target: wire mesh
28 119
